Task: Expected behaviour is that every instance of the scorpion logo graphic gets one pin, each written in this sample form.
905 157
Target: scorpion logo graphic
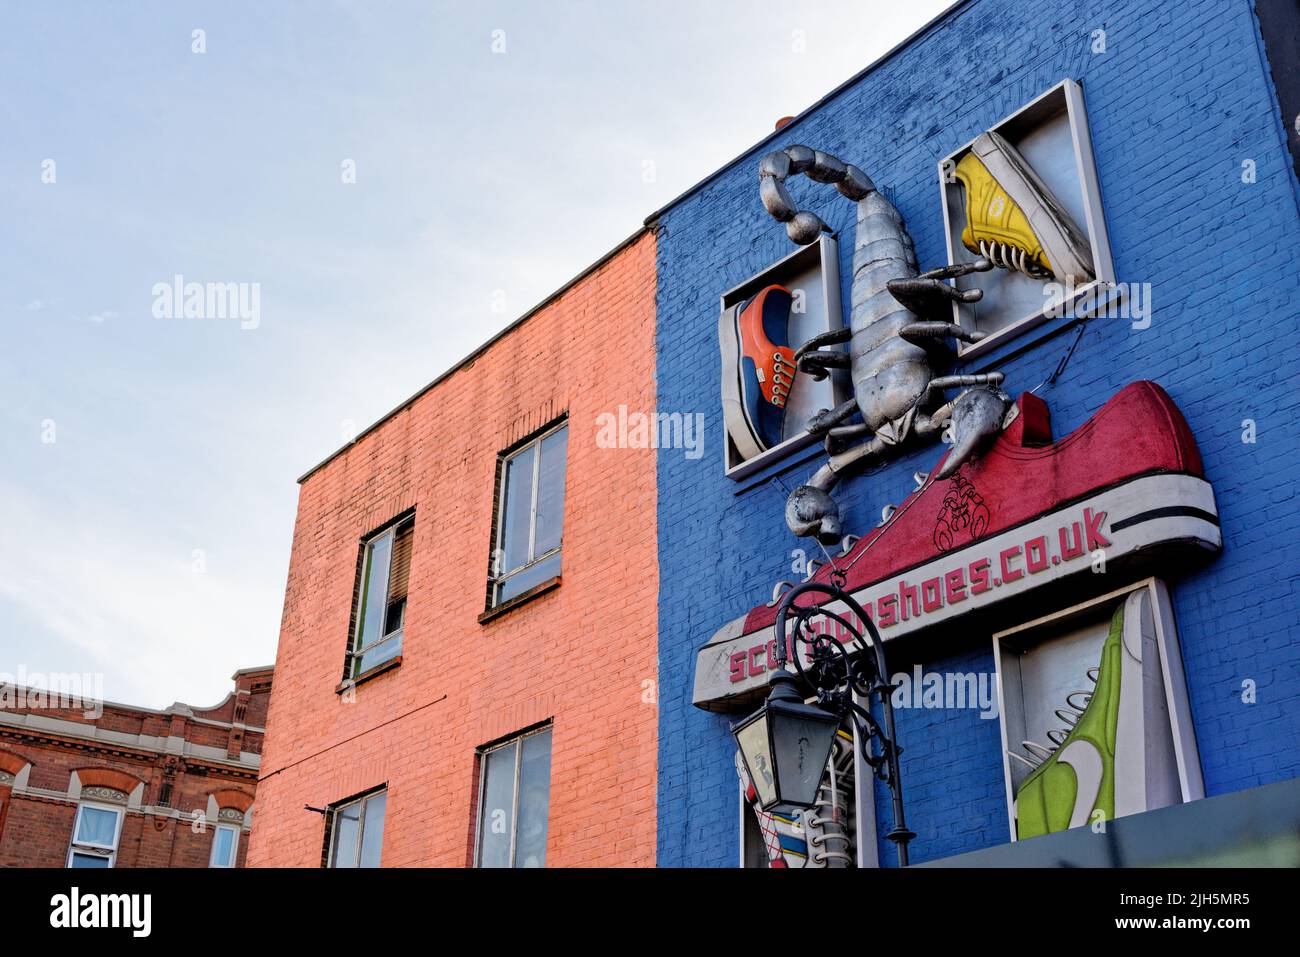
896 342
963 511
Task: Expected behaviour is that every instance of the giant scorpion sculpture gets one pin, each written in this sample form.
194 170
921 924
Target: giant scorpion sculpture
897 340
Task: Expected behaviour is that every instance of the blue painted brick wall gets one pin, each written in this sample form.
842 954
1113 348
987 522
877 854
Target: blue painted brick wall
1178 101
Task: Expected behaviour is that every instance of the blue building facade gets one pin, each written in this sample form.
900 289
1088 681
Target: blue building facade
1201 202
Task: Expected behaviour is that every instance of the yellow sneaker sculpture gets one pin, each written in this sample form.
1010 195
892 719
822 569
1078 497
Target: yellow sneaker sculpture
1013 219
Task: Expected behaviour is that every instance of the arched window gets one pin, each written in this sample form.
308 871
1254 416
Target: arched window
225 838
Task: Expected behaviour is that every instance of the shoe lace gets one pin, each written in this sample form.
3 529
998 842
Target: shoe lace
782 378
1012 257
1069 715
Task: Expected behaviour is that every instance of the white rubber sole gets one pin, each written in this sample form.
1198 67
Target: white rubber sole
733 410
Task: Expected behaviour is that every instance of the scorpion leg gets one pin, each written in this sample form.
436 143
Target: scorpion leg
928 294
824 420
953 381
958 269
855 431
833 338
817 363
914 331
838 437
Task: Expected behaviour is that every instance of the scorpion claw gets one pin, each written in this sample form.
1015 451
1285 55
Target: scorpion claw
811 512
976 417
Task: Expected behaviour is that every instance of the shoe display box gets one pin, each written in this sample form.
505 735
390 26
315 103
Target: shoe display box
1052 134
1040 663
812 274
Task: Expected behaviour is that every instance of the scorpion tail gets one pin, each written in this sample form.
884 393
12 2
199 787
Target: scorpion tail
977 417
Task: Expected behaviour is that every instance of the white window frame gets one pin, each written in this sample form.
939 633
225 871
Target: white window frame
499 578
517 739
1186 754
1087 300
358 651
234 845
90 849
338 809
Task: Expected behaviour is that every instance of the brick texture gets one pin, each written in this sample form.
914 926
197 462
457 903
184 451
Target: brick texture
186 758
582 655
1179 100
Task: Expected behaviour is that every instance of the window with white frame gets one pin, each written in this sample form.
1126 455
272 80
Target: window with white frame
530 515
381 597
356 831
95 833
514 801
225 846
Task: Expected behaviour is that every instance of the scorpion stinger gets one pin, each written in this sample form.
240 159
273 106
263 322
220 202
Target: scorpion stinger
896 341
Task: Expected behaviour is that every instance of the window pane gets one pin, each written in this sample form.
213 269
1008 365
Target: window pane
520 583
374 590
496 803
550 492
88 860
97 826
372 835
516 510
346 825
403 543
223 847
534 801
377 654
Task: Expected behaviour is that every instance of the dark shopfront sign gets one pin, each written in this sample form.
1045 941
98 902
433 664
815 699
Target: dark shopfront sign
1255 828
1029 513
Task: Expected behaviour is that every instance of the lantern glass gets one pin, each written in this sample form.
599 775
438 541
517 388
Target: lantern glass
785 745
756 749
802 737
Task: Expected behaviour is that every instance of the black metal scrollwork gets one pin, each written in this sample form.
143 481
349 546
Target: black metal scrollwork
841 675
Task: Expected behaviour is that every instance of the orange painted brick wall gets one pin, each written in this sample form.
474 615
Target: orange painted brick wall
583 655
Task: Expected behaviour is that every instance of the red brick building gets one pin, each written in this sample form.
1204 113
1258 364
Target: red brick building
86 783
464 675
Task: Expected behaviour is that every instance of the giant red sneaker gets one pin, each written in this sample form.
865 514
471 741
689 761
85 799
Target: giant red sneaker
1126 487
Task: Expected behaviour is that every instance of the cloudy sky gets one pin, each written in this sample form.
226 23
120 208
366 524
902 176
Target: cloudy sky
148 464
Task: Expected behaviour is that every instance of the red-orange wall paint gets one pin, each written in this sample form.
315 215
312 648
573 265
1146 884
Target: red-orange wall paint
582 655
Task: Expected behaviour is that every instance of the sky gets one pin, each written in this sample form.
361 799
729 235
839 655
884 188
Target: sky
389 180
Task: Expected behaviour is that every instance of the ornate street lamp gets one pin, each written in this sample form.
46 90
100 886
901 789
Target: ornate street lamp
786 743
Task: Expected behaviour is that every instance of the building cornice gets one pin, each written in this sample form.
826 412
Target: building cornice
37 729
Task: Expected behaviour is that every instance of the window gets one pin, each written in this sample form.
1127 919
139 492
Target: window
514 801
357 831
1107 670
95 833
225 846
530 518
381 597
